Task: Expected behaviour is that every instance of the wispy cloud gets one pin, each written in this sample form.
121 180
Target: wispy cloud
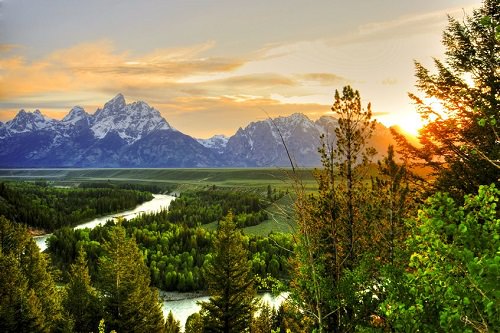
185 85
98 66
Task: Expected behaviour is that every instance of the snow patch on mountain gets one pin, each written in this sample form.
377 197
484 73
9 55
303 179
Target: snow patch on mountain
130 121
218 141
76 115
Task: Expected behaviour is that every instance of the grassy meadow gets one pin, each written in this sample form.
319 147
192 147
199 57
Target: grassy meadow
180 180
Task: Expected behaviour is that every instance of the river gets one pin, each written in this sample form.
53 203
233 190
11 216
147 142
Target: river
182 305
159 202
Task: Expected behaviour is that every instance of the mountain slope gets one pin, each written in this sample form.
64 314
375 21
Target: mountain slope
136 135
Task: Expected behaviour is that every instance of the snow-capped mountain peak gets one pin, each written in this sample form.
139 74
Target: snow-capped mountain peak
28 121
130 121
76 115
116 103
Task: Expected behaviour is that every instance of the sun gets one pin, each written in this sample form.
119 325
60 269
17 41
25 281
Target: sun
410 123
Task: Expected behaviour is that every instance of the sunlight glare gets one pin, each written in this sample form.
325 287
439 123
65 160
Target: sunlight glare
411 124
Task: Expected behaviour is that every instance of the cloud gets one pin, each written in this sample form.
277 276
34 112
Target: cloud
390 81
99 67
190 90
4 48
226 114
324 79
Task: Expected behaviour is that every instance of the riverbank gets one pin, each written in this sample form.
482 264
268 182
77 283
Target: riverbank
159 202
172 296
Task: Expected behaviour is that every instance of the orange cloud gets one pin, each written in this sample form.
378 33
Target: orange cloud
99 67
88 74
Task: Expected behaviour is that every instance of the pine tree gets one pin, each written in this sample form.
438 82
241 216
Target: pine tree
171 324
29 298
81 300
395 202
461 142
264 322
336 226
130 304
194 323
230 284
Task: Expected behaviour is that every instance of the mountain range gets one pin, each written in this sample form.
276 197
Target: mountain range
136 135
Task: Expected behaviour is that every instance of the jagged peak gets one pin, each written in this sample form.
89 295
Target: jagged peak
32 115
116 103
77 113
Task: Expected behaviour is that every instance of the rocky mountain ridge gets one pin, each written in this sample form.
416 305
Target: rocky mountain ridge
136 135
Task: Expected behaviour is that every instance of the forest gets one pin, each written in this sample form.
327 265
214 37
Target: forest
385 252
177 251
49 208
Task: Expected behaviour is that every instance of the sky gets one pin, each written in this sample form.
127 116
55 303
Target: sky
212 66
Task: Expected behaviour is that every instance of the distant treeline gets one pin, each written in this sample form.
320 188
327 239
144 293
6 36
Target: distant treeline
206 206
40 206
152 188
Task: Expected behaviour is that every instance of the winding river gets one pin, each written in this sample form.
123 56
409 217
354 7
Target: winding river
181 305
159 202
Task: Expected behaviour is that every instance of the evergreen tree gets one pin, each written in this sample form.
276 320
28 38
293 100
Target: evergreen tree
130 304
29 299
81 300
395 202
194 324
332 265
461 142
171 324
265 321
230 284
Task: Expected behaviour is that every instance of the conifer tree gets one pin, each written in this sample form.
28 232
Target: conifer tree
172 325
460 105
81 300
230 284
395 202
130 304
29 298
336 227
194 323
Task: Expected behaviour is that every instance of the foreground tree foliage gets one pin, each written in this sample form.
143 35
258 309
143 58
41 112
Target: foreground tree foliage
29 299
82 299
461 141
230 284
130 304
337 231
451 281
172 325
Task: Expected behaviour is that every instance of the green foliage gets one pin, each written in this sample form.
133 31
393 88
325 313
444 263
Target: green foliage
451 283
460 142
29 299
230 285
50 208
176 255
395 202
265 321
338 227
129 302
194 323
195 208
171 324
82 300
152 188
